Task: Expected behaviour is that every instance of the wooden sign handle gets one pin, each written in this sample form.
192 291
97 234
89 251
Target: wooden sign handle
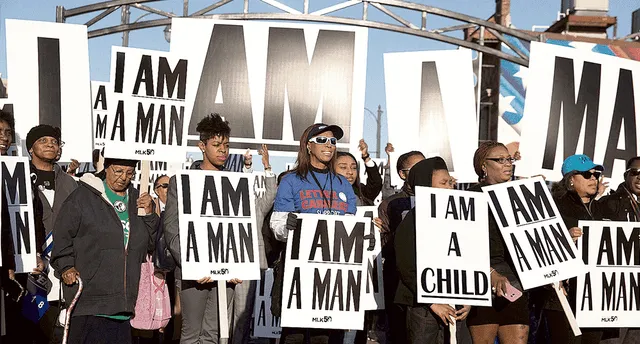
144 182
452 330
567 309
222 311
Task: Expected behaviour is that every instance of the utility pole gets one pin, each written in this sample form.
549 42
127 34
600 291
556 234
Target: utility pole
378 118
124 19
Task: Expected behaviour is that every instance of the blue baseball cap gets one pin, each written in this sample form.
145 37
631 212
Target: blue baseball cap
580 163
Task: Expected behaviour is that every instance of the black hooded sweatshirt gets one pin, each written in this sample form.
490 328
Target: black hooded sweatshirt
405 238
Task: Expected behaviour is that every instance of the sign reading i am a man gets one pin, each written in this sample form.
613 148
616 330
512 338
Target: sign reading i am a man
609 294
149 108
325 273
534 232
218 233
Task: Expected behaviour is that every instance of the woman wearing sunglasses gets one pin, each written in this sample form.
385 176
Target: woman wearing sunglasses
508 320
575 197
311 187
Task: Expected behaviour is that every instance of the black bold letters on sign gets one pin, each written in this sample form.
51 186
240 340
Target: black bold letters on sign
327 81
49 101
433 120
564 101
623 114
225 72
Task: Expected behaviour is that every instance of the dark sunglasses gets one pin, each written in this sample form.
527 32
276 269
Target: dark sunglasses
589 174
634 172
323 139
164 186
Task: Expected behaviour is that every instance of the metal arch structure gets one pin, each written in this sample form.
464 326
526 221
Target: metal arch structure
397 22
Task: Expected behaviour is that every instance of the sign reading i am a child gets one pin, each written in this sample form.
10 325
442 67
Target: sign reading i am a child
453 225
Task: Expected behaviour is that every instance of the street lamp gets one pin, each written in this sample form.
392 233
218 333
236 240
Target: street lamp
378 119
167 33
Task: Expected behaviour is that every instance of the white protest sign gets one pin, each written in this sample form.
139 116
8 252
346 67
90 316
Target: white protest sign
363 175
265 324
234 163
156 169
579 102
325 273
49 68
16 183
374 291
430 95
609 294
218 233
534 232
100 94
455 268
275 79
150 105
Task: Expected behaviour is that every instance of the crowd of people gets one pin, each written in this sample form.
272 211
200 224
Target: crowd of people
98 229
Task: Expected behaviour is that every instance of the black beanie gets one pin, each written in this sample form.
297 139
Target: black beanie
40 131
120 162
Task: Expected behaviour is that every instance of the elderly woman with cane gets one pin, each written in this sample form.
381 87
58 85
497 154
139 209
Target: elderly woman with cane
100 237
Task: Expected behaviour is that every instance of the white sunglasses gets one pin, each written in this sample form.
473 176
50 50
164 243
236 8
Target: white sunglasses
323 139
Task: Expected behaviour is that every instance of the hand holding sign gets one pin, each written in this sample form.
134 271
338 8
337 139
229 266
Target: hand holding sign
145 202
575 232
463 312
446 313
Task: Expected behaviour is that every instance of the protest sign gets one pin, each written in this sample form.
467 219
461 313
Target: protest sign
276 79
325 273
49 68
455 268
374 291
363 175
16 183
265 324
234 163
218 233
430 95
156 169
578 102
609 294
534 232
100 94
150 106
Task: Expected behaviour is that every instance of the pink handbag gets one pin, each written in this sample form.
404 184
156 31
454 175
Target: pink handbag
153 309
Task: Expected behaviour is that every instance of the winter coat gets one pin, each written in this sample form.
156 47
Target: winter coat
89 236
619 205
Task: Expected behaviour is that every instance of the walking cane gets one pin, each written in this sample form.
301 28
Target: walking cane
69 310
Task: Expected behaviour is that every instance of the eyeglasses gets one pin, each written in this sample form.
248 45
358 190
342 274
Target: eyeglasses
502 161
164 186
323 140
634 172
589 174
121 173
